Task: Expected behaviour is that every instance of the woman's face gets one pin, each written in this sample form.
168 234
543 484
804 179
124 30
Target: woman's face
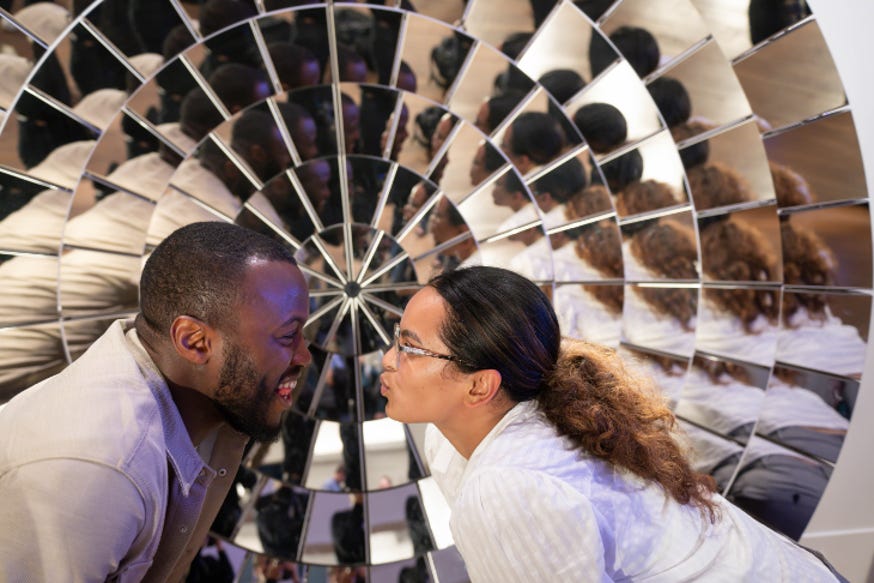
418 388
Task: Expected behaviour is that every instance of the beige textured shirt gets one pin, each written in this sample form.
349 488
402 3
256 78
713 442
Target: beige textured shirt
99 480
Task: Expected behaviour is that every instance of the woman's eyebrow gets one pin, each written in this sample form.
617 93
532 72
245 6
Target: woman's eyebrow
406 333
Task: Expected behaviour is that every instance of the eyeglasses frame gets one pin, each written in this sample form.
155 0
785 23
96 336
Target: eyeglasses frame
399 348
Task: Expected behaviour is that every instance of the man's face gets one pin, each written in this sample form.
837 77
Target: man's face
500 195
400 135
310 74
305 134
263 350
315 178
278 156
478 171
441 132
441 227
482 117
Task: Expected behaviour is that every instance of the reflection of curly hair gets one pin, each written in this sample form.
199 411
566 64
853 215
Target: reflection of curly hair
806 261
715 369
600 245
735 251
593 399
679 303
715 185
640 197
790 188
592 200
668 249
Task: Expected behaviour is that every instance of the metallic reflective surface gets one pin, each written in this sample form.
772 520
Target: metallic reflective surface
728 250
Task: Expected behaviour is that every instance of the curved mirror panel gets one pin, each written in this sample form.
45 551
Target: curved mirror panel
682 178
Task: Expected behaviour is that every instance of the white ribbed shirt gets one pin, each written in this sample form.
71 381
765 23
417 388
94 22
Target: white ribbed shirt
525 507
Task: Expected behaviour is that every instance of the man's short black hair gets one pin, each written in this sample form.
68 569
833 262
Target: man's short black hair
198 270
536 135
603 126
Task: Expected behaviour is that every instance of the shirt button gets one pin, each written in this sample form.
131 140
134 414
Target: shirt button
183 529
222 472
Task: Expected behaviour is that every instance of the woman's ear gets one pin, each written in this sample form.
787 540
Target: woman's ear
484 387
193 339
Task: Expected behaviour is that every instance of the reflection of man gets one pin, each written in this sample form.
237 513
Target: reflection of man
147 428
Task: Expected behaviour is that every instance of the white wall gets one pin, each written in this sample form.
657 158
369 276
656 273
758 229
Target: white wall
843 525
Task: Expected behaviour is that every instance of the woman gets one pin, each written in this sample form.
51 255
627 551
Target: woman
558 465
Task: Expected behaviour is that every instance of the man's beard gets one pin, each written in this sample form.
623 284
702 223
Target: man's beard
243 398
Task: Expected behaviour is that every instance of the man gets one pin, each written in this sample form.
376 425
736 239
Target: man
115 468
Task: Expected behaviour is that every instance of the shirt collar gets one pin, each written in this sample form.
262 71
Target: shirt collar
183 457
519 412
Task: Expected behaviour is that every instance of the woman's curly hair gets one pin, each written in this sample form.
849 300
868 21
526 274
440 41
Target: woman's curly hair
807 260
602 407
600 245
735 251
668 249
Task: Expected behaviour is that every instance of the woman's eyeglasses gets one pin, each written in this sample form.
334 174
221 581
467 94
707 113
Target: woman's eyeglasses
399 348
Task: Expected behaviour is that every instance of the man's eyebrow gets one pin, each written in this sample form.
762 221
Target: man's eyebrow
293 320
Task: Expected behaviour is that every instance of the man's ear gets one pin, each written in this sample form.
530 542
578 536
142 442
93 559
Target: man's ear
484 387
193 339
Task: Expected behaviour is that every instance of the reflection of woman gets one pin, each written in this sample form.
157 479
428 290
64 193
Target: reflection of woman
715 185
594 312
809 326
739 321
664 317
556 463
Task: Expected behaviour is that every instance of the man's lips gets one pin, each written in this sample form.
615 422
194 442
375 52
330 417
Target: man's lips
286 387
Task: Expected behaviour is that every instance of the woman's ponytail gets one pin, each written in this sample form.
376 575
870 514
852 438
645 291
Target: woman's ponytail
595 401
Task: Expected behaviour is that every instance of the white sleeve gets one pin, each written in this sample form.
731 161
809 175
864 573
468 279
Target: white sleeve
67 520
522 525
